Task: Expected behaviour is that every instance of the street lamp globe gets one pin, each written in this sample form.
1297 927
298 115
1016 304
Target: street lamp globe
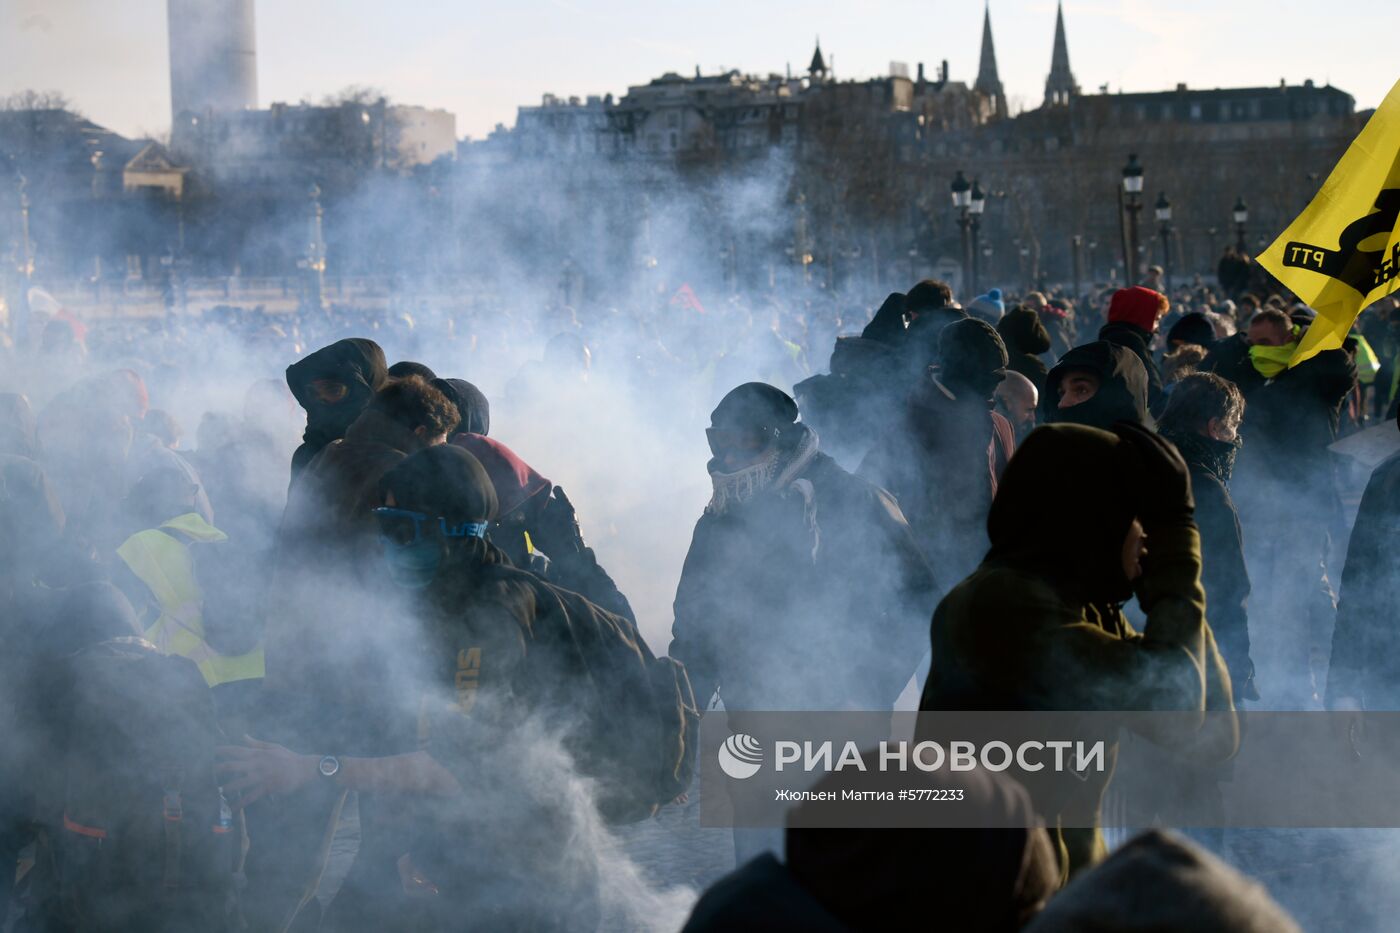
1240 211
1132 176
978 204
1164 209
962 192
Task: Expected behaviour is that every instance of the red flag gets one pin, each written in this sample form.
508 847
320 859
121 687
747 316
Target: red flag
685 300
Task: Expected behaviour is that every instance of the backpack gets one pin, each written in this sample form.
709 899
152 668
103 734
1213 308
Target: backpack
145 840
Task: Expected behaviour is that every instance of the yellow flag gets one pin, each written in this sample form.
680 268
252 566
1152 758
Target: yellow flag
1343 251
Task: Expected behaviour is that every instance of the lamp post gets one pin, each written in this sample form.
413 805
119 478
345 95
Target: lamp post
962 202
1131 195
1240 214
1163 210
975 207
1078 261
315 261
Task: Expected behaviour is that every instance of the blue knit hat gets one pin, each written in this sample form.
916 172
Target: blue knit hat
988 307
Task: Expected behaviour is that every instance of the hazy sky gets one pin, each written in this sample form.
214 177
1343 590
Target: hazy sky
481 60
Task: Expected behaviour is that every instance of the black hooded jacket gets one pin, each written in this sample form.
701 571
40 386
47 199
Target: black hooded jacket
1139 341
1026 339
1122 394
471 405
359 364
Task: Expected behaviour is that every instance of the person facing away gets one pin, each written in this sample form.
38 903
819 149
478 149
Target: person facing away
1097 384
1026 341
1202 419
942 461
334 384
803 587
1083 520
1133 315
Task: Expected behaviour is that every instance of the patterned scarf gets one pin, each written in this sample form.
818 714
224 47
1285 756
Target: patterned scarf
777 469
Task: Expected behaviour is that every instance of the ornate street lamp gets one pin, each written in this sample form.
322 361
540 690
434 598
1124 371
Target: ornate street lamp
962 201
975 207
1131 200
1163 211
1240 214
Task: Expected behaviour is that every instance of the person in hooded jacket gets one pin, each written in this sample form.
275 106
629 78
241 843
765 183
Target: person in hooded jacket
334 385
472 406
1193 328
1097 384
803 587
845 880
1202 419
1026 340
1365 666
1133 315
942 463
1038 625
844 406
503 663
538 529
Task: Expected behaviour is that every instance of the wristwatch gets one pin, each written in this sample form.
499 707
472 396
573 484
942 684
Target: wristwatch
329 767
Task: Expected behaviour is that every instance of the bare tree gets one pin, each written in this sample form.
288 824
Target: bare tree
36 100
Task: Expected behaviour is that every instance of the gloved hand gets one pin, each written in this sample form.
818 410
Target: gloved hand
1163 478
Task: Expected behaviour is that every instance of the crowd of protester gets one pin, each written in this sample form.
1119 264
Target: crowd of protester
263 570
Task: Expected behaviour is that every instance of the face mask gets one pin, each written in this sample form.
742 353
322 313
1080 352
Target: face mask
413 566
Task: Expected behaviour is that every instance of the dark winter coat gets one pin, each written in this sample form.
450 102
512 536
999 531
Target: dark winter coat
942 463
1289 420
1038 625
1366 642
896 879
1124 334
848 406
1123 388
1026 339
1224 576
360 365
784 604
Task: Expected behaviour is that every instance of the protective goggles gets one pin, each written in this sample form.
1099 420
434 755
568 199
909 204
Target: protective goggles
738 440
403 528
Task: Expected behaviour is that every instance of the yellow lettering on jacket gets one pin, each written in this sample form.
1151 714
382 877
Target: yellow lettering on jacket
468 678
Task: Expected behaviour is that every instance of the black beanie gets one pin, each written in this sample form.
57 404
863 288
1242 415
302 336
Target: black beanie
442 481
755 405
1195 328
971 345
405 368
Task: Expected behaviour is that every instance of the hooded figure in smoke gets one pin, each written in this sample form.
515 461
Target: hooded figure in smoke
334 385
843 406
943 461
803 587
1038 626
1097 384
514 671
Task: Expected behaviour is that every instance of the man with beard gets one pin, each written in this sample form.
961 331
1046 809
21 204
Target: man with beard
518 687
334 385
1038 625
803 587
1097 385
942 462
1202 419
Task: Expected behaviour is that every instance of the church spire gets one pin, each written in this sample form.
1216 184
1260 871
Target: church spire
817 69
1060 86
988 81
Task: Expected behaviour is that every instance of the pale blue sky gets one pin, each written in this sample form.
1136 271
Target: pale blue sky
481 60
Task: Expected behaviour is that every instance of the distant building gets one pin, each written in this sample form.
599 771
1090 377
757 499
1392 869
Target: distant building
213 56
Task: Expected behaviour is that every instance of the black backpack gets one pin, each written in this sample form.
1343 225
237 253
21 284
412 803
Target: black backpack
145 840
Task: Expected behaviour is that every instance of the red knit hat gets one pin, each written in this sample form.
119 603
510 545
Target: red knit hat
1137 305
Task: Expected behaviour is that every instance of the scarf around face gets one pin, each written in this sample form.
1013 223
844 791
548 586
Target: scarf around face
1215 457
777 469
1270 361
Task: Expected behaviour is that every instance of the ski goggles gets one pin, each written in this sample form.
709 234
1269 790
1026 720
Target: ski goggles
403 528
738 440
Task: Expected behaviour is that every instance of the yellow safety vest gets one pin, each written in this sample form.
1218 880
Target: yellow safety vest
163 562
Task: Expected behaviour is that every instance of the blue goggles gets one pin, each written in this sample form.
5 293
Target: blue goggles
403 528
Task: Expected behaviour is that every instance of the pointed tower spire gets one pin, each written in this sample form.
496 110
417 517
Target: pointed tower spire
988 82
817 69
1060 86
